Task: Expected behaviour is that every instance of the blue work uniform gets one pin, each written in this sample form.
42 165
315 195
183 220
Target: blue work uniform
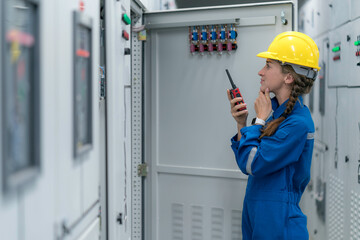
279 170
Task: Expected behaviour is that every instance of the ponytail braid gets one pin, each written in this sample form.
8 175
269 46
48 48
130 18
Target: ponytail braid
301 85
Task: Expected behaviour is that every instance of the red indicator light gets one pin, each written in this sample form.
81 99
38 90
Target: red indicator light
82 53
125 35
336 58
357 53
81 6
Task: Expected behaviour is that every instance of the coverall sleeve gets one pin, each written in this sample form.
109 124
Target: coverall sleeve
260 157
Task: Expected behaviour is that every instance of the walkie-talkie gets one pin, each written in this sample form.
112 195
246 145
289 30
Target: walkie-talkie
235 92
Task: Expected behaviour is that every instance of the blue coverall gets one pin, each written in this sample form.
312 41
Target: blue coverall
279 170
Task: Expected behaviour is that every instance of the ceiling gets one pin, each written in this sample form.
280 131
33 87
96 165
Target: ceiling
205 3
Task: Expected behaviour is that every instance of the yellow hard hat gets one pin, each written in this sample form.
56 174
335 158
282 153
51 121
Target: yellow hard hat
293 47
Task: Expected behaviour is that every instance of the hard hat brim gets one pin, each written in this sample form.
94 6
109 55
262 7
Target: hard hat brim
268 55
274 56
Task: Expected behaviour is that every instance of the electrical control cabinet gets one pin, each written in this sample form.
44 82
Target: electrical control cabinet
342 196
339 122
37 90
166 157
118 55
185 100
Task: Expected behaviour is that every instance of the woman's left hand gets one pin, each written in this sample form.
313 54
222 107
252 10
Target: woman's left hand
262 104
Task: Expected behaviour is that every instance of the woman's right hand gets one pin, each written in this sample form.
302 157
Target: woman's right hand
239 116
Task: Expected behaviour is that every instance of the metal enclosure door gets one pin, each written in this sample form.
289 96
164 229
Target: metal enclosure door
194 189
117 78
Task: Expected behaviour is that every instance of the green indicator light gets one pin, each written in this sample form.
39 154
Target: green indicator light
126 18
357 43
336 49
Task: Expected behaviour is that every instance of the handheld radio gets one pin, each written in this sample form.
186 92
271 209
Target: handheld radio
235 92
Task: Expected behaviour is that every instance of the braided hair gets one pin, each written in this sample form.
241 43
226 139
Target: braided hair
301 85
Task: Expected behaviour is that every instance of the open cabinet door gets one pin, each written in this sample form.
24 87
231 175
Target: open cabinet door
194 189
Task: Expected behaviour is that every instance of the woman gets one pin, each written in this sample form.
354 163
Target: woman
276 150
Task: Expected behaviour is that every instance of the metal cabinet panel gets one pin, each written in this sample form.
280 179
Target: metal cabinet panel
90 167
330 140
315 98
336 187
117 64
314 199
320 86
314 17
354 54
321 16
339 59
212 212
353 174
78 178
127 164
68 175
39 201
9 217
188 124
313 203
340 12
355 9
342 135
307 18
339 221
92 232
136 118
